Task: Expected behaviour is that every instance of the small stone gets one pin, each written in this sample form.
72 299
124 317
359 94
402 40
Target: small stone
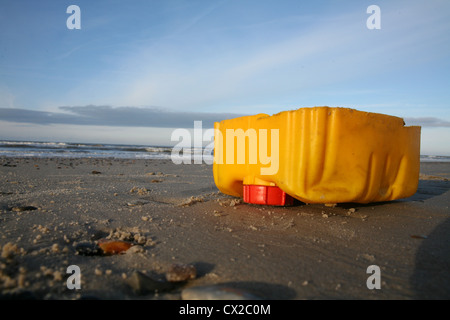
137 203
98 272
181 272
142 284
216 292
331 205
57 276
324 215
135 249
55 248
110 247
9 250
95 172
351 210
368 257
23 208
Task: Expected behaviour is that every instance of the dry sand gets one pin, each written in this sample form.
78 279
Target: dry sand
177 215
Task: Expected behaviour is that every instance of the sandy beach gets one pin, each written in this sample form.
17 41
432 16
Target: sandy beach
53 209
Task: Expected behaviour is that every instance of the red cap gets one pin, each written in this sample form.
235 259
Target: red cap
267 195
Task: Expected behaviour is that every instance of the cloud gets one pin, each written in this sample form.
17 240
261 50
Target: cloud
145 117
427 122
114 116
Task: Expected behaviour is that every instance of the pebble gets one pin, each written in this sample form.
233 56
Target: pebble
9 250
23 208
96 172
142 284
109 247
181 272
137 203
216 292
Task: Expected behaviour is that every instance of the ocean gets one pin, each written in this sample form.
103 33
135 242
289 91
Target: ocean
38 149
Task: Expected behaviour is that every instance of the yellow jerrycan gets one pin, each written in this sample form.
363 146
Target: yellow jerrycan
316 155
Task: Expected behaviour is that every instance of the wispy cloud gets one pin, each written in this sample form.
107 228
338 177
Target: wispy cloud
145 117
427 122
114 116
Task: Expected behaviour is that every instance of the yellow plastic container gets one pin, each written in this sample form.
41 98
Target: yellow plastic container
317 155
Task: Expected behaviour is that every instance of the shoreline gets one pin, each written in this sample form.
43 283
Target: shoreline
298 252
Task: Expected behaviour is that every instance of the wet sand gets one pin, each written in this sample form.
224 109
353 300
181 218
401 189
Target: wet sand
175 214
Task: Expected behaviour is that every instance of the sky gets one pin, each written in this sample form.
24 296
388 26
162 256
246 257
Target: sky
138 69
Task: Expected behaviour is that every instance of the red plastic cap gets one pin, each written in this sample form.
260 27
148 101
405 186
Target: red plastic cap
266 195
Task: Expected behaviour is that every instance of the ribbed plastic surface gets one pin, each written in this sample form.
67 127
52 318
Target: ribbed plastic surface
324 155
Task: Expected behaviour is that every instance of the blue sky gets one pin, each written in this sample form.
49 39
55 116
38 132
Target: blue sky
183 60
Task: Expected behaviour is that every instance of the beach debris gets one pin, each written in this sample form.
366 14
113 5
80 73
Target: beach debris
419 236
192 200
110 247
229 202
139 191
23 208
9 250
181 272
88 249
216 292
234 202
135 203
368 257
104 247
55 248
134 237
95 172
10 165
143 284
